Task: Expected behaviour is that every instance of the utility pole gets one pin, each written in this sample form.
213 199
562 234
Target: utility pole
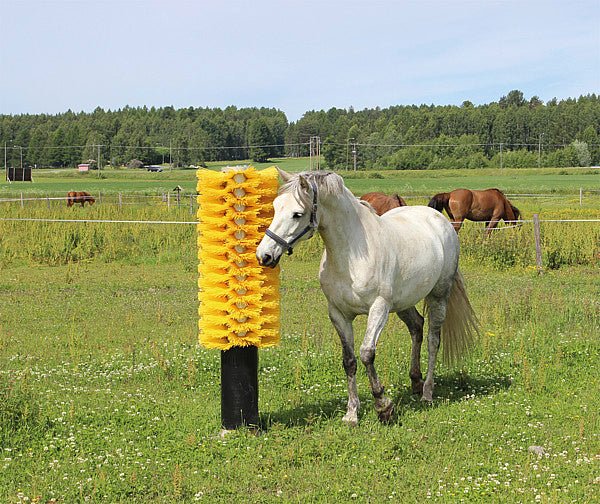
540 151
501 156
315 152
170 161
354 152
5 167
22 172
348 155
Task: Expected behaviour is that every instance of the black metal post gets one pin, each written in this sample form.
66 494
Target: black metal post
239 387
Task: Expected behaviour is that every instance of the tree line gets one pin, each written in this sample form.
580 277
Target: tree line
512 132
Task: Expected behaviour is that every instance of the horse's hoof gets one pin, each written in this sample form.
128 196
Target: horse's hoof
427 392
385 411
350 420
417 387
427 397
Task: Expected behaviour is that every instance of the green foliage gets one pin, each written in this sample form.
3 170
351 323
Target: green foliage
260 137
128 409
459 135
562 158
516 159
21 416
64 243
411 158
582 152
105 395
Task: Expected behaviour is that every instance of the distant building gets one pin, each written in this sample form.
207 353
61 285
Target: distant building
83 167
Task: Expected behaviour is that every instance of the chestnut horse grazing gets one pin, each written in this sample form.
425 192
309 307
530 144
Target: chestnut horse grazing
376 266
489 205
79 197
382 202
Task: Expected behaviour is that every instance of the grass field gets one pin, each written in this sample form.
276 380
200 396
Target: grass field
105 395
406 182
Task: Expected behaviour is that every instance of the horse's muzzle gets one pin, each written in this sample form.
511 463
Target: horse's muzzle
268 260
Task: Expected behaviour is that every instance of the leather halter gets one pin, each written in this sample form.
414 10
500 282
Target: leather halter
312 225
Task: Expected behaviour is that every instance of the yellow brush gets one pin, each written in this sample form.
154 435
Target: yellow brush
239 299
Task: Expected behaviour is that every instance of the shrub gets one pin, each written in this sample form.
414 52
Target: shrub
20 412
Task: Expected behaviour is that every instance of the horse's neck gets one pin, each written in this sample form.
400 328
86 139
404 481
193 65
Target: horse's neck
343 226
509 214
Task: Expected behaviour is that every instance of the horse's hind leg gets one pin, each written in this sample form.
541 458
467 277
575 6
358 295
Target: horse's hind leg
378 315
344 329
414 321
437 313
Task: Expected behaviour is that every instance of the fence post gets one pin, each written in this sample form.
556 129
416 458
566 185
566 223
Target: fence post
120 201
538 243
22 202
580 196
48 201
191 204
169 200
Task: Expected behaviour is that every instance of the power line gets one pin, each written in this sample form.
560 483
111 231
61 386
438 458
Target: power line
154 147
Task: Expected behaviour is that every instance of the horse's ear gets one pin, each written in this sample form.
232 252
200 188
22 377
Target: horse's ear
304 185
285 176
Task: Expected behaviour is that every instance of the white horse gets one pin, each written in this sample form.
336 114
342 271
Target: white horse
376 265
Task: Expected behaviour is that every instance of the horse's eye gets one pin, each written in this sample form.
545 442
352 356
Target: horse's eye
296 215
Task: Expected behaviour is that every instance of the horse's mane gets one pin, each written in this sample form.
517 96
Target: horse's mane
368 205
326 182
439 201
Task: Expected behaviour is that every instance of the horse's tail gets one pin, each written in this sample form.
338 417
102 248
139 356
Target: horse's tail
461 326
400 200
439 202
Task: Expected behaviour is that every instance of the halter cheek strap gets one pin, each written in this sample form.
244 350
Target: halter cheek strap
289 246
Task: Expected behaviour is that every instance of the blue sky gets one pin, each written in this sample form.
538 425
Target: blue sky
292 55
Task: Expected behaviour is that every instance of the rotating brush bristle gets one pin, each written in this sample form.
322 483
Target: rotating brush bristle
239 299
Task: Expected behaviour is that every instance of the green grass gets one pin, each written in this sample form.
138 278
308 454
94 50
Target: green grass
115 402
105 395
406 182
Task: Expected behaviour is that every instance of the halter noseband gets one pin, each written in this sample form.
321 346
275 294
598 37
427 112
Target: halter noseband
289 246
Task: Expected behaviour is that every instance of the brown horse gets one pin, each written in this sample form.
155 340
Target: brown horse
489 205
382 202
79 197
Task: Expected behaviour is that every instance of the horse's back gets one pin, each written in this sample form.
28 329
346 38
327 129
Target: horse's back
424 248
423 230
419 217
382 202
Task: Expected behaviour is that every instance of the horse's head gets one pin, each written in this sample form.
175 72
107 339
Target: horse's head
516 211
295 218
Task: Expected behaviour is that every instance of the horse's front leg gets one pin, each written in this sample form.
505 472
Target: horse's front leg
491 225
343 326
378 315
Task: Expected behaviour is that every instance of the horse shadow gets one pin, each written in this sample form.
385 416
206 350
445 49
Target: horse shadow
450 388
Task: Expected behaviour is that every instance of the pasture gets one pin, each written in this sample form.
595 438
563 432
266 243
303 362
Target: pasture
107 397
